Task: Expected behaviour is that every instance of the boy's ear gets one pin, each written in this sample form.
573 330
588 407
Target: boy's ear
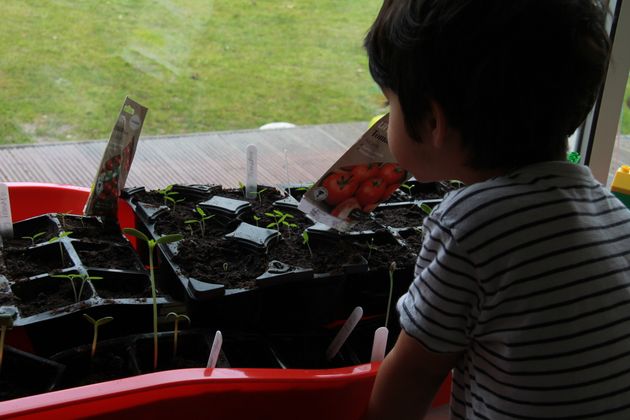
436 125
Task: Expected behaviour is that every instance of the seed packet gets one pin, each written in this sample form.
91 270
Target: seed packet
366 175
116 162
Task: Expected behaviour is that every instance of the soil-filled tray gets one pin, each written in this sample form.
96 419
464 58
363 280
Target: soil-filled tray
57 273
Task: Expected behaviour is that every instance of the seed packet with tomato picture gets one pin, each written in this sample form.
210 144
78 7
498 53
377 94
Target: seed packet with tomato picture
116 162
366 175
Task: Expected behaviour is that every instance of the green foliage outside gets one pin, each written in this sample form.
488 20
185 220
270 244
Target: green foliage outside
625 115
198 65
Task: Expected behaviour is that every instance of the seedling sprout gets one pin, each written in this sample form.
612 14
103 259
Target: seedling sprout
259 193
84 278
426 208
168 195
6 323
97 323
407 187
178 318
241 186
202 219
151 244
392 268
280 220
58 239
256 219
32 238
371 247
305 241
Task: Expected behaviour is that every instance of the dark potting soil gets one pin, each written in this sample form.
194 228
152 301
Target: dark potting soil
107 255
381 254
400 217
124 286
216 260
41 295
89 227
260 205
49 231
327 256
413 239
294 217
366 224
22 263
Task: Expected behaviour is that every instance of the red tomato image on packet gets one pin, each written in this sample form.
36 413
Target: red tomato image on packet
365 176
361 187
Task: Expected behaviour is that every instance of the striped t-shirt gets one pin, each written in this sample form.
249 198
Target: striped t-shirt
528 276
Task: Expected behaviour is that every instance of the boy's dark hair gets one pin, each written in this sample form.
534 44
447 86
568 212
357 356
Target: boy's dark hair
515 77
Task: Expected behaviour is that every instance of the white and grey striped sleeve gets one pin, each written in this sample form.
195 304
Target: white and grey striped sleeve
441 306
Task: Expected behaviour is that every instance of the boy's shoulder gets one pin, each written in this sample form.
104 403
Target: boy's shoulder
516 192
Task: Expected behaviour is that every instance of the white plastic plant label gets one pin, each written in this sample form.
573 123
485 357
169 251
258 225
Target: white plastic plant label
366 175
116 162
6 222
251 179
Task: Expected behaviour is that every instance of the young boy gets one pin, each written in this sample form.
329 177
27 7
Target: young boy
522 285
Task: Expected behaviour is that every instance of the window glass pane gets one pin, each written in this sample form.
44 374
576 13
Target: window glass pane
621 152
198 65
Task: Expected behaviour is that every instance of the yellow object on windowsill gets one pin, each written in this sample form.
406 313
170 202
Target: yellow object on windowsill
620 186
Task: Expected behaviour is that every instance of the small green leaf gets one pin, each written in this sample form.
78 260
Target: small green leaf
426 208
90 319
136 233
170 238
105 320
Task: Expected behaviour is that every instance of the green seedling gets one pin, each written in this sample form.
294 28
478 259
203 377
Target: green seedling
168 195
32 238
241 187
6 323
178 318
97 323
426 208
84 278
306 241
226 266
202 219
58 239
259 194
407 187
280 219
151 243
392 268
371 247
63 215
256 219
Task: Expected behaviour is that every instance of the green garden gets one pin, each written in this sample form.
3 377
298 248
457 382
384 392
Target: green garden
198 65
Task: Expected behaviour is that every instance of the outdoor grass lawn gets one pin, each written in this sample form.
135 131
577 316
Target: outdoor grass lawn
198 65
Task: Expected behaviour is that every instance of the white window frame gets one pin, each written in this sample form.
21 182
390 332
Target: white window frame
596 138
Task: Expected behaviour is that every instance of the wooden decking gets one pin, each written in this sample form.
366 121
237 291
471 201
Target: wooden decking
193 159
205 157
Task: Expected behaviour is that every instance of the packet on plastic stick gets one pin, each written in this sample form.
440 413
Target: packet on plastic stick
116 162
366 175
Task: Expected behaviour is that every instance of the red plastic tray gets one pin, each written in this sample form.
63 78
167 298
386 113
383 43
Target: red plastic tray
192 393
